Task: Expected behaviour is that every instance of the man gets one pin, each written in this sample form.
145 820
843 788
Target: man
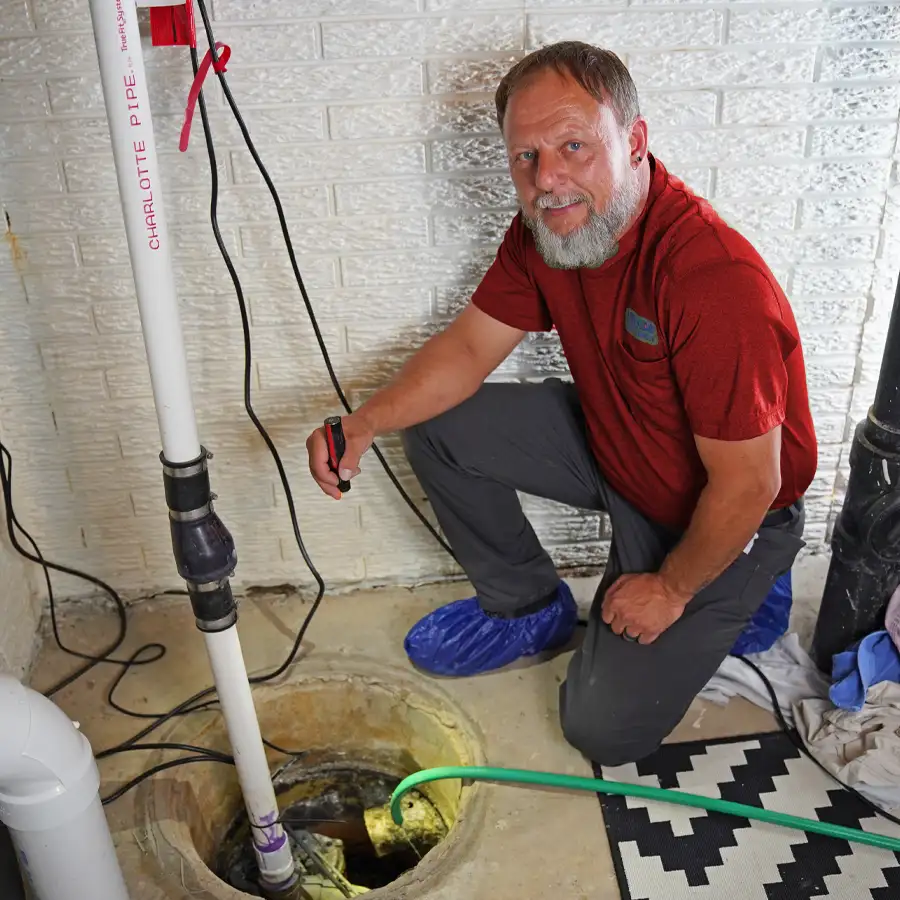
687 422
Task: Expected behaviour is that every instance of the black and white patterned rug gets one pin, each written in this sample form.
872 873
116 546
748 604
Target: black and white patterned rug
666 852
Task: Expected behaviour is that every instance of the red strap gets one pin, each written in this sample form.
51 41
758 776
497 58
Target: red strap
219 66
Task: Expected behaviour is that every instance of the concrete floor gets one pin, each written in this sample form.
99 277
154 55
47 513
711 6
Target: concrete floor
534 843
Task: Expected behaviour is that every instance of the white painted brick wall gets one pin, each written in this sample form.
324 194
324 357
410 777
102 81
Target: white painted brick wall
20 608
376 121
20 604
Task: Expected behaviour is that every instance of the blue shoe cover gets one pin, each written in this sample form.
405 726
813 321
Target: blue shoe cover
460 639
771 620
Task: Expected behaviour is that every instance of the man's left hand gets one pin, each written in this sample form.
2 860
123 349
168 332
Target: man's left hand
642 607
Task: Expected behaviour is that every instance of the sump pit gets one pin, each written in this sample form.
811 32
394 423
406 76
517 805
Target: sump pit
339 825
362 729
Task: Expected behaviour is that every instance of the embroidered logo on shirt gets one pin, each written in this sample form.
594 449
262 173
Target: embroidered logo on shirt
639 327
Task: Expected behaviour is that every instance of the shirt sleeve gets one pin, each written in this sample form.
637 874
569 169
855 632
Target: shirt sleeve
729 343
507 292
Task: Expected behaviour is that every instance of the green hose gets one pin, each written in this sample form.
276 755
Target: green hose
599 786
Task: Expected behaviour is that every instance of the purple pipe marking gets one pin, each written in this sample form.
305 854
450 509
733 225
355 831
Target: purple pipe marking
273 833
275 844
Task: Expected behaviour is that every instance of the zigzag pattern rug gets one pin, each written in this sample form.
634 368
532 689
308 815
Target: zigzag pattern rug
665 852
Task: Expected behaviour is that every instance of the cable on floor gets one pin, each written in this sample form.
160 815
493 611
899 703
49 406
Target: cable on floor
14 528
161 767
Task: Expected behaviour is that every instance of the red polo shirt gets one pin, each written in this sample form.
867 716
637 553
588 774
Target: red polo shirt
685 331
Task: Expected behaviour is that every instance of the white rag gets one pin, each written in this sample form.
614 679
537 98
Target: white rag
786 664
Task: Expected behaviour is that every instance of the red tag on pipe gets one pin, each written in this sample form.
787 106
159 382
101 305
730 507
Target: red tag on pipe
194 93
171 25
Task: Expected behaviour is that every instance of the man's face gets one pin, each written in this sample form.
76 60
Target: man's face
570 162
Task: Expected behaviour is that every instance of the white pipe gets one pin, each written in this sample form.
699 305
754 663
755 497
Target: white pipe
140 186
270 844
134 149
50 801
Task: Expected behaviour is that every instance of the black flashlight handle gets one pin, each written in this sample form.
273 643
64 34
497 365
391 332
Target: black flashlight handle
337 445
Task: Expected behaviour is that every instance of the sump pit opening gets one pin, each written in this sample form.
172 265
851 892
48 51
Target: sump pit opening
337 819
370 727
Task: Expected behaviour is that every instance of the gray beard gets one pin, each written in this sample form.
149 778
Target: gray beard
593 243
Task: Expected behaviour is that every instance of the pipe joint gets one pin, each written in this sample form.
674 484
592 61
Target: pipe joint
204 548
47 769
214 605
187 487
878 439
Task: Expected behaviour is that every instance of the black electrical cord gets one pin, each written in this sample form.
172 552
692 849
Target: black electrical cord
13 525
192 704
296 269
248 405
188 705
797 741
161 767
167 745
158 650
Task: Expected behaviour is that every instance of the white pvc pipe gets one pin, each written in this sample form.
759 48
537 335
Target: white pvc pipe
50 801
134 150
140 186
270 843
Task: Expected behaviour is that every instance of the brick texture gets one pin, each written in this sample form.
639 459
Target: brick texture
20 604
376 121
21 612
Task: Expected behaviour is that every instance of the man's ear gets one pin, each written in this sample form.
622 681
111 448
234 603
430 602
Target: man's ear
637 138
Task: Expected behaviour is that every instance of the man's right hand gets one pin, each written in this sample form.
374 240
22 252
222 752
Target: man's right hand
358 437
446 370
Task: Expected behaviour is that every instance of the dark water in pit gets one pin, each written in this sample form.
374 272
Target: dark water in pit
329 801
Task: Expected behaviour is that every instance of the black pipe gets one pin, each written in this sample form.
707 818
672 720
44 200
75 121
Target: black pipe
865 563
886 408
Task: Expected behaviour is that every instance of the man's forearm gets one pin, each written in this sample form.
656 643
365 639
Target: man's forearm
437 378
724 521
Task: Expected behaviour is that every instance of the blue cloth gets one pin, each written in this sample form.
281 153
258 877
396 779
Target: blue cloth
867 662
460 639
771 619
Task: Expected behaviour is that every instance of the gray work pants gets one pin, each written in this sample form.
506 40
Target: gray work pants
620 699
